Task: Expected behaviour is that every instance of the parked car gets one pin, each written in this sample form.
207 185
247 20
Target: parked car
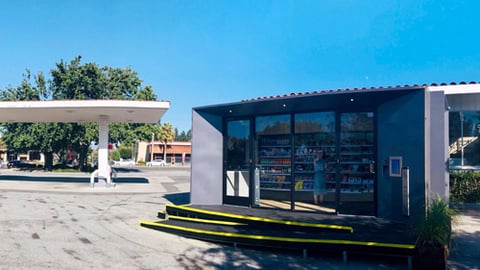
15 164
156 162
124 162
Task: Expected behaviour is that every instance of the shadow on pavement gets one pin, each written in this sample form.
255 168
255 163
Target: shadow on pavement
178 198
66 179
125 169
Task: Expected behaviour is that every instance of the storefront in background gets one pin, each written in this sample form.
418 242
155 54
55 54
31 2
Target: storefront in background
177 153
385 150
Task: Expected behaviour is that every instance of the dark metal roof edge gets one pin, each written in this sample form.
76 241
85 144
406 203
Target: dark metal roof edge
336 91
199 108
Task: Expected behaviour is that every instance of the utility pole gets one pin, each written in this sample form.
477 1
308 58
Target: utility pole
461 134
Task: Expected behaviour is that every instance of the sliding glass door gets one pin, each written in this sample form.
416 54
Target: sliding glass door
237 175
314 161
273 143
357 149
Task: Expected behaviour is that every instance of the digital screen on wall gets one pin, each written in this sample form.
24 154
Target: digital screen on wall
395 166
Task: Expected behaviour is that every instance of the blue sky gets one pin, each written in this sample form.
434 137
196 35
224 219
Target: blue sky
197 53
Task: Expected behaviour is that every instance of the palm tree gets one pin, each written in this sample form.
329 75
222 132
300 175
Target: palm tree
165 134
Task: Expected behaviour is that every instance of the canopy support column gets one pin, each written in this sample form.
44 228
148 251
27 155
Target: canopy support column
104 170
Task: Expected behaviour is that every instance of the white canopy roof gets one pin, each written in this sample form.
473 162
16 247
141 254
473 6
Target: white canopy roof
461 97
126 111
100 111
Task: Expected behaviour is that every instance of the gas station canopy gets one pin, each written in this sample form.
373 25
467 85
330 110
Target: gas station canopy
102 112
82 111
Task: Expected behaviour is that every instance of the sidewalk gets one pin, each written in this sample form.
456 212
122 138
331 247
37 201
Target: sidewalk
465 250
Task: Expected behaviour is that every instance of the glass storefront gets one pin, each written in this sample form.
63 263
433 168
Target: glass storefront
356 185
315 135
238 155
273 143
464 145
318 161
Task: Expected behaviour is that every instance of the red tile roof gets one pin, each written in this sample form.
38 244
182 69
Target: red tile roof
406 86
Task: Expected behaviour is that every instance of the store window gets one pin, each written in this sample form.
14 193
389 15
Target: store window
273 144
237 167
314 136
464 145
319 164
357 148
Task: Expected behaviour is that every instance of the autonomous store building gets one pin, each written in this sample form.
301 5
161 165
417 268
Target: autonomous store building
386 149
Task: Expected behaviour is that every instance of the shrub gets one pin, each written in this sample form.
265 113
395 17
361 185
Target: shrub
434 232
436 226
115 155
465 187
125 152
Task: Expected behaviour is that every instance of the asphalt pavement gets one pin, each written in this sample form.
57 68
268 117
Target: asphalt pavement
56 221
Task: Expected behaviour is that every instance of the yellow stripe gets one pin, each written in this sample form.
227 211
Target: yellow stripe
286 239
296 223
206 221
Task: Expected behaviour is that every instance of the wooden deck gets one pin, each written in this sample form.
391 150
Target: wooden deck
310 231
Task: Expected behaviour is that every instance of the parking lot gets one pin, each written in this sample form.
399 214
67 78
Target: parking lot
50 223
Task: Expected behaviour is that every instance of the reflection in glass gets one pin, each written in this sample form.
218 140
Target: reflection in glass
237 178
273 124
314 133
464 130
273 139
237 140
314 122
357 157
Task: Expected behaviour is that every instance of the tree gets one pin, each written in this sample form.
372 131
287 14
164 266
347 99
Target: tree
48 138
165 134
73 80
88 81
182 136
27 90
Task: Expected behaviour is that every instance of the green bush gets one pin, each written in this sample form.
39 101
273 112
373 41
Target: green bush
465 187
125 152
434 230
115 155
436 226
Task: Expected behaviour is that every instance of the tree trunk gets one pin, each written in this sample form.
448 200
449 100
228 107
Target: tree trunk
48 164
82 158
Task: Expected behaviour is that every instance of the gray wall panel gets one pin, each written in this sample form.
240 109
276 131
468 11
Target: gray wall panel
438 139
207 160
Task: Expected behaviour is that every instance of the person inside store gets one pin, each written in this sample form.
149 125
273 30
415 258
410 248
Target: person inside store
319 183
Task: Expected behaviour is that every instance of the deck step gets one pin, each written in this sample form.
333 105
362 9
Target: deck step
254 221
242 234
